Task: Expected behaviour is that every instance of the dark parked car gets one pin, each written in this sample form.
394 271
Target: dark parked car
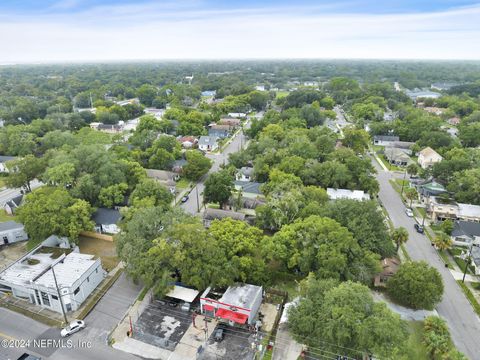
419 228
184 199
219 334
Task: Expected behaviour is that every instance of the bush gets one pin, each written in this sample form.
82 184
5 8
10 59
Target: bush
416 285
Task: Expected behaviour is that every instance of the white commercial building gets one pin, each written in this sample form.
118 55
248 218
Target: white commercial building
31 277
11 232
239 304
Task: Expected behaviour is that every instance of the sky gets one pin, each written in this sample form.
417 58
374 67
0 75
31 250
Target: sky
105 30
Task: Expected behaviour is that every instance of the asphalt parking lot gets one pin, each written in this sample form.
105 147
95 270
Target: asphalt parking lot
162 325
236 345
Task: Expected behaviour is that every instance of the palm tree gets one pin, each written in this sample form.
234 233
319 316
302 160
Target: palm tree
411 195
399 236
442 241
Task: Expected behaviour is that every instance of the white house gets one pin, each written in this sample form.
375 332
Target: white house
335 194
244 174
3 161
208 143
11 232
31 277
427 157
239 304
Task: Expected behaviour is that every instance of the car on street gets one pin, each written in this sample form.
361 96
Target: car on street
419 228
409 212
72 328
184 199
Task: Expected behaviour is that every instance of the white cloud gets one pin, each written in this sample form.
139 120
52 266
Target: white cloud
172 31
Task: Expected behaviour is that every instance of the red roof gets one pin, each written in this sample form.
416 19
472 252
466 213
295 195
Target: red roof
232 315
207 307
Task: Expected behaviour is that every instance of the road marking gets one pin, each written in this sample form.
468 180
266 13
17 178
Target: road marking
8 337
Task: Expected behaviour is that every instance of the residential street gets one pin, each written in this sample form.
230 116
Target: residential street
100 322
239 141
463 322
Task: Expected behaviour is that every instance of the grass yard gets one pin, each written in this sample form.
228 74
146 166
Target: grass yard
183 184
5 217
287 282
281 94
2 183
104 249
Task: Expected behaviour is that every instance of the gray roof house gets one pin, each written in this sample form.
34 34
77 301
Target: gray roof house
384 140
11 232
397 156
106 220
11 205
249 189
465 233
217 214
208 143
166 178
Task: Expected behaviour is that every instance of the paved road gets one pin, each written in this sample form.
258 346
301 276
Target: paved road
195 199
100 322
463 322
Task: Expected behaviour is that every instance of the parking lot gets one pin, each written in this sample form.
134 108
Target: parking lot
162 325
236 345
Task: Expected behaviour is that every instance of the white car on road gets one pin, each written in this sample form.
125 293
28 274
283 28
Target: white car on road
72 328
409 212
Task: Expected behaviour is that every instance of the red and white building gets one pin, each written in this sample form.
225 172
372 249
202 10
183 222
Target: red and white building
238 305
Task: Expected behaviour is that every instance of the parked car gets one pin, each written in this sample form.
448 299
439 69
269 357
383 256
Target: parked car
219 334
419 228
72 328
27 356
184 199
185 306
409 212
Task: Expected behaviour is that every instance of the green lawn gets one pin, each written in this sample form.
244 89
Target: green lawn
281 94
286 282
2 183
5 217
183 183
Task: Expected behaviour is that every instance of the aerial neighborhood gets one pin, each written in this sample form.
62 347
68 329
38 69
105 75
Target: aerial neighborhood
241 210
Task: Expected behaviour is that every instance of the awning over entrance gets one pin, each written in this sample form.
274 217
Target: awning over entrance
208 308
232 315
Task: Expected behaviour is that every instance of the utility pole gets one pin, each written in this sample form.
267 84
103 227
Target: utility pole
403 182
59 296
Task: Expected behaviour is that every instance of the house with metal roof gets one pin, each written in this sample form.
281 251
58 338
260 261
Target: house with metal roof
12 232
35 275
